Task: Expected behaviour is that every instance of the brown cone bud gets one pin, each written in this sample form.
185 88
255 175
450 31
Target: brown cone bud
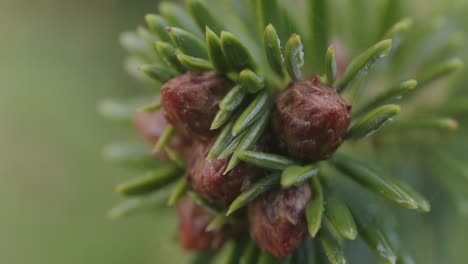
310 120
191 101
208 179
277 219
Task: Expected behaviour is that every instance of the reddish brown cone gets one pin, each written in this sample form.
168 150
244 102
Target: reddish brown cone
310 120
191 100
277 219
208 179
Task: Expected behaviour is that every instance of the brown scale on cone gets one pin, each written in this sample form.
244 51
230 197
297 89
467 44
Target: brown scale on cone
310 120
191 100
207 177
152 125
277 219
193 220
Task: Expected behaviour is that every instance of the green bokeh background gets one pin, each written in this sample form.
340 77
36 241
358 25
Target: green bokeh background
58 58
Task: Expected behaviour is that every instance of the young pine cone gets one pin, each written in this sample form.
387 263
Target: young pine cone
310 120
152 125
208 179
193 220
191 100
277 219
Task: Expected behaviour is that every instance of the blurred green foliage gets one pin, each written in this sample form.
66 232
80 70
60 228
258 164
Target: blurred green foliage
58 59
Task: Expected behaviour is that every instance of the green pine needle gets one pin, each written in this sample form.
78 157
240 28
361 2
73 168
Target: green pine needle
237 55
210 207
138 204
158 72
222 141
155 106
389 188
373 121
318 19
253 192
297 175
168 54
333 249
395 93
378 241
165 138
149 182
252 112
203 15
188 43
130 155
158 26
194 64
250 81
233 98
315 208
251 137
215 52
273 50
444 123
266 160
340 216
180 189
176 16
362 63
294 57
441 70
